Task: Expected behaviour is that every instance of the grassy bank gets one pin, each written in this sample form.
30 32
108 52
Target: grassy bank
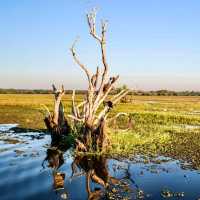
162 125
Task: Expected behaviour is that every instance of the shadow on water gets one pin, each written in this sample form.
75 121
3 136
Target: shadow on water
36 167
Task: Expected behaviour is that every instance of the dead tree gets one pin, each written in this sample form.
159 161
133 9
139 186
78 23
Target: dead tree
56 123
99 86
88 117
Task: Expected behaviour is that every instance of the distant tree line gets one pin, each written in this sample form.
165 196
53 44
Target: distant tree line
35 91
165 93
116 90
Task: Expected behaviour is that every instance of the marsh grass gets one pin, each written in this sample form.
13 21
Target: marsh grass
162 125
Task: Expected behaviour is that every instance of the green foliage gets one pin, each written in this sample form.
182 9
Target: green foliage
77 129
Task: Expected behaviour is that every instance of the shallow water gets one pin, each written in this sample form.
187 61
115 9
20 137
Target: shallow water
24 177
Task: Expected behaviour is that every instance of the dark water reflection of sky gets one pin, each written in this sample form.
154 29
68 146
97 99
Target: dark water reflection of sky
23 177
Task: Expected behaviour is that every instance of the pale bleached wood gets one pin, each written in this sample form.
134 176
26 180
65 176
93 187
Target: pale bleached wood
79 63
103 113
58 107
97 93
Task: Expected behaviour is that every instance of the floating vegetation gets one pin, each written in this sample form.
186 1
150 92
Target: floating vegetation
166 193
11 140
19 152
66 175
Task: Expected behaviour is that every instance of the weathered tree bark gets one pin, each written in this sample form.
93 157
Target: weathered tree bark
56 123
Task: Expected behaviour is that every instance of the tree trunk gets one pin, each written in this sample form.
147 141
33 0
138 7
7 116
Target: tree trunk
57 124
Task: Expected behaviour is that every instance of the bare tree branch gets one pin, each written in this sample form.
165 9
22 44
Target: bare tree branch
46 108
120 97
81 104
100 99
79 63
107 108
117 95
75 118
91 19
95 78
74 111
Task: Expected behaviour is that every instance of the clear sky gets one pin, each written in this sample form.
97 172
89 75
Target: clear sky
152 44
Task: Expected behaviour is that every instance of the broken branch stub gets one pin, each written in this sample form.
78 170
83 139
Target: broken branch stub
56 123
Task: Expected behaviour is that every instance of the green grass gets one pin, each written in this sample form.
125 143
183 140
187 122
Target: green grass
27 110
162 125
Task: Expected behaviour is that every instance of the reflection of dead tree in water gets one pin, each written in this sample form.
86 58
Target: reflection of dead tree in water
54 155
96 170
91 114
55 159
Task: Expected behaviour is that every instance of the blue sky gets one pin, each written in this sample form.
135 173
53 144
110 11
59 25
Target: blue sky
152 44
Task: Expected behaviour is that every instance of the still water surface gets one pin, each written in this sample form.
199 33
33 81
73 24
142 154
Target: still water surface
31 169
